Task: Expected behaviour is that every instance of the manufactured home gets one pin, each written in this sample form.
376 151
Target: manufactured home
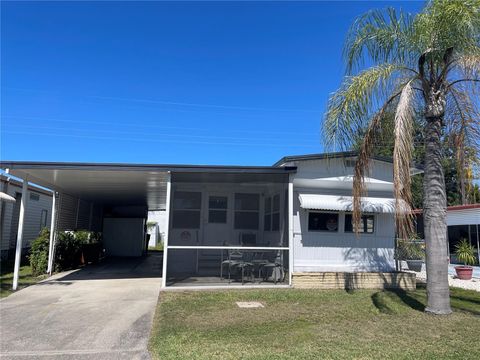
289 223
37 216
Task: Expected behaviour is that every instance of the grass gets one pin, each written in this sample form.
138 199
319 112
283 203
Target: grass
159 247
25 278
308 324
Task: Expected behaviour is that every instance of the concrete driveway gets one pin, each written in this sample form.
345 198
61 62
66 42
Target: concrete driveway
100 312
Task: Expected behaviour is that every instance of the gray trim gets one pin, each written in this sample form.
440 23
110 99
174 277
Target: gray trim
334 155
24 165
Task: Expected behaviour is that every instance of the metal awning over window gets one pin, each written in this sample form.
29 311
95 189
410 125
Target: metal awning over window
345 203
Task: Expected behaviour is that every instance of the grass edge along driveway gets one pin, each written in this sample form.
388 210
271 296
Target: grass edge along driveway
25 278
306 324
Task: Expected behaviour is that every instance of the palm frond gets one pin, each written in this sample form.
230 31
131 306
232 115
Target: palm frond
349 108
469 66
463 126
382 36
445 23
402 158
362 165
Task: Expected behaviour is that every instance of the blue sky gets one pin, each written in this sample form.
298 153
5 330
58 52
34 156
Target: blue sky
158 82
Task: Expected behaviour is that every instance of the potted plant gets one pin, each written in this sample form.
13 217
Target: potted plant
465 253
413 252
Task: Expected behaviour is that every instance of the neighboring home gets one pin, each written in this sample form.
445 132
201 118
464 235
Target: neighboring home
157 231
463 222
37 216
289 223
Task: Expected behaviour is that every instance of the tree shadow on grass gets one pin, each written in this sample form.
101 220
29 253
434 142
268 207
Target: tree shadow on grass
392 301
395 301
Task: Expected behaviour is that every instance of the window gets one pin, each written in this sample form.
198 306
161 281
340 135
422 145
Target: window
186 210
34 196
43 219
267 219
272 213
367 224
247 211
322 221
217 209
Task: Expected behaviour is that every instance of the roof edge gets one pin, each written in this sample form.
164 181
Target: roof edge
24 165
334 155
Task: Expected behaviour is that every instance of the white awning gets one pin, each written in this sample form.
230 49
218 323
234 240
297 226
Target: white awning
345 203
6 197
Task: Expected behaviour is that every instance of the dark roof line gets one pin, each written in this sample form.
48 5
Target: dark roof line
151 167
333 155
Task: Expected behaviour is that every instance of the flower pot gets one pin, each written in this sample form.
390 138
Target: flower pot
464 272
415 265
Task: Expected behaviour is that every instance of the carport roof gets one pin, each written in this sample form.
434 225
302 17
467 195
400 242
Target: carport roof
122 184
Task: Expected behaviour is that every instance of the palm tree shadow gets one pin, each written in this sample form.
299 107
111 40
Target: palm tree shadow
383 301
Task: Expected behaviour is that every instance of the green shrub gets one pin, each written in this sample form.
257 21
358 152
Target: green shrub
410 250
39 253
83 236
68 249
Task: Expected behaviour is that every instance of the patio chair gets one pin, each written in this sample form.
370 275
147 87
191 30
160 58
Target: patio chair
245 267
233 257
273 268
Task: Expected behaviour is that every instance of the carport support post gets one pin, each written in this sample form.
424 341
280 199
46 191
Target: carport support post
52 233
290 229
167 222
21 220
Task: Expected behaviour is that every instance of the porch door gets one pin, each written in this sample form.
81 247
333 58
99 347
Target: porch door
217 229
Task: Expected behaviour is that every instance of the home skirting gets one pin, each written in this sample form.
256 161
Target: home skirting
357 280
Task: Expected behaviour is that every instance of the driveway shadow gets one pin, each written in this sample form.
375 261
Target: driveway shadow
149 266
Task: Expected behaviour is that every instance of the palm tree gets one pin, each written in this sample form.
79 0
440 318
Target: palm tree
424 66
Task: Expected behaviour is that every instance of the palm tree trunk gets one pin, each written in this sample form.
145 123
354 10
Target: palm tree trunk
435 214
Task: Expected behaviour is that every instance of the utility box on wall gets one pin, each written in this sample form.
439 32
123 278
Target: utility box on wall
124 236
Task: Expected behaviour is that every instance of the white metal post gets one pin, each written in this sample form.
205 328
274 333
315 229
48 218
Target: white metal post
21 220
167 228
290 229
52 233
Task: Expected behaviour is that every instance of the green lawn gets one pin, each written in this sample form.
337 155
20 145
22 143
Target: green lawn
25 278
312 324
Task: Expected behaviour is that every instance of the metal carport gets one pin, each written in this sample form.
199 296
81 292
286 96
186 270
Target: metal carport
84 188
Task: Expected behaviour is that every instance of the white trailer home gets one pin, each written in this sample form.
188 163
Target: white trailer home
281 225
37 216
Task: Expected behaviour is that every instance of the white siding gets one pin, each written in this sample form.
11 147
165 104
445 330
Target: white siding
463 217
32 217
340 251
32 224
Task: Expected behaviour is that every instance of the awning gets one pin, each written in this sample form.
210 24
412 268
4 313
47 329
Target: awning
345 203
6 197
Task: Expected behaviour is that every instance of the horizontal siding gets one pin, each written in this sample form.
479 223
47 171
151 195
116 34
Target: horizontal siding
32 217
339 251
67 213
7 212
463 217
32 220
83 217
97 218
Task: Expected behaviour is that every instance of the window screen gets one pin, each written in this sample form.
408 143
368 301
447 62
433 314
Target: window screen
217 209
247 211
320 221
272 213
367 224
186 210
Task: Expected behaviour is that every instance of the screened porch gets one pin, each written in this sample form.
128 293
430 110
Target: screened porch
228 229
